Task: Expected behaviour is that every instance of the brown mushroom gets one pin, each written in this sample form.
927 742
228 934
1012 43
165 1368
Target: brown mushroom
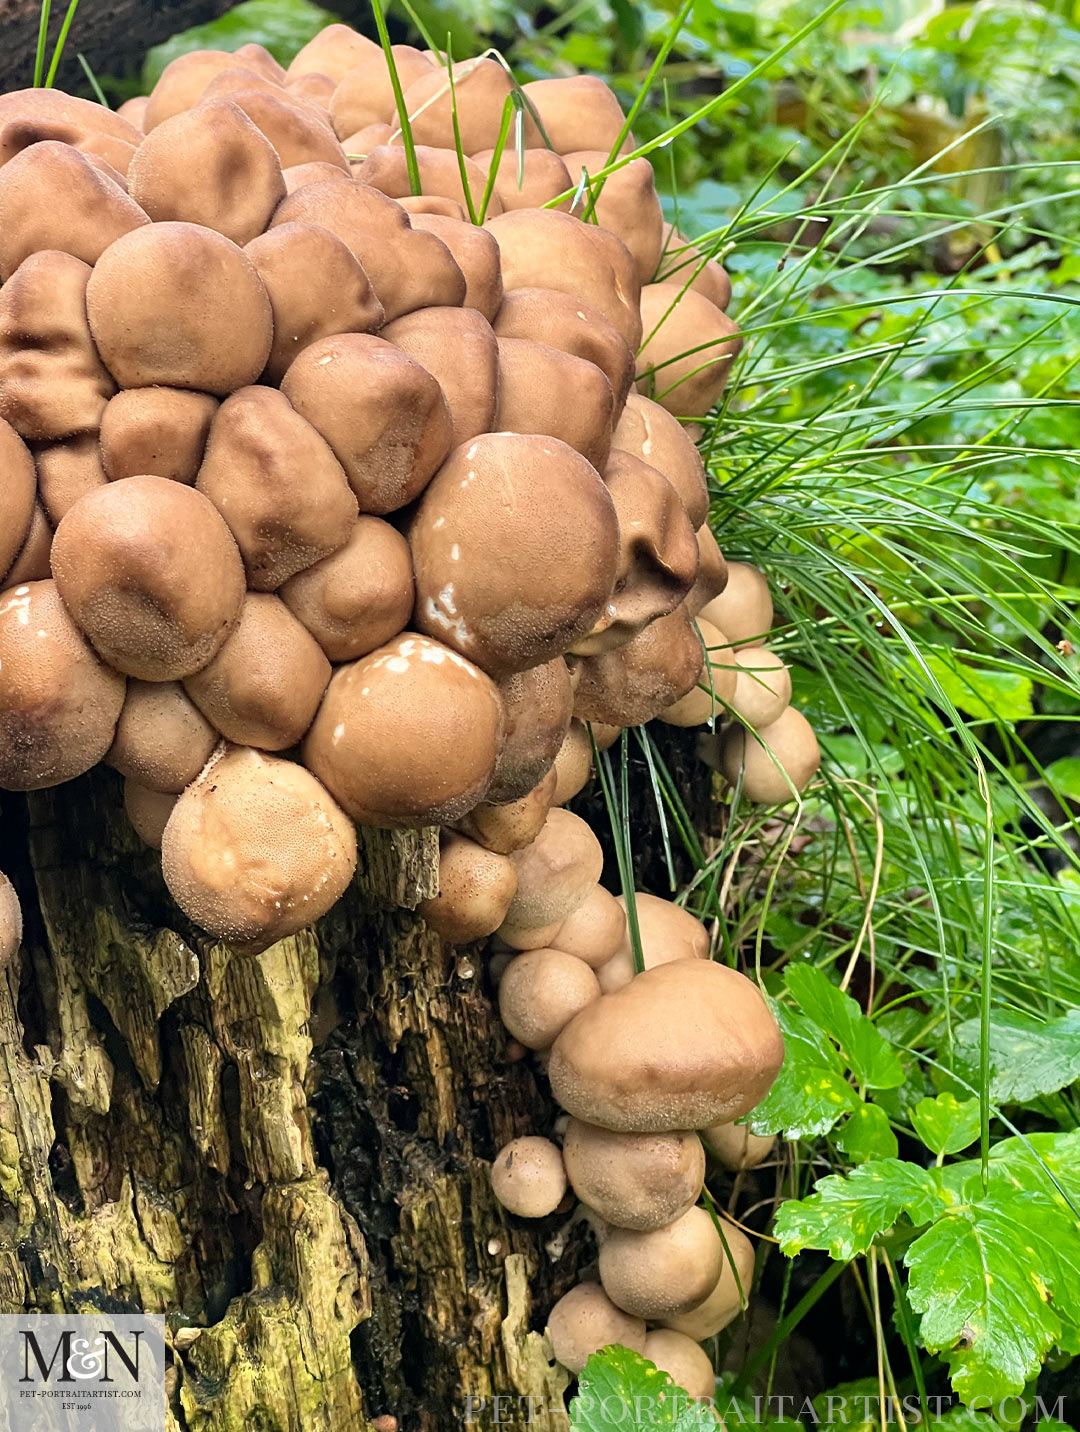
298 132
134 109
715 686
595 930
578 112
687 265
555 873
639 1181
511 825
316 87
683 1045
360 596
541 991
385 167
365 94
434 204
334 51
162 739
712 575
11 924
30 116
649 432
148 811
762 686
544 390
358 145
183 82
475 888
685 1362
256 849
626 202
538 705
667 932
408 735
313 172
58 703
729 1293
515 543
18 489
230 81
776 762
736 1146
474 93
157 432
744 609
662 1272
528 1177
636 682
457 347
32 563
687 351
67 471
477 255
584 1321
564 322
573 763
151 574
527 178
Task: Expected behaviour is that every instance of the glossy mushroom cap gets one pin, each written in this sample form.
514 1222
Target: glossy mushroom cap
667 932
475 888
528 180
736 1147
688 349
58 703
762 686
744 609
476 254
544 390
162 740
18 489
501 511
11 924
333 52
256 849
555 873
712 575
365 95
511 825
160 432
683 1045
725 1301
457 347
408 735
585 1320
715 686
573 763
626 203
650 433
664 1271
595 931
633 684
579 112
686 1363
565 322
528 1177
148 811
777 762
151 574
538 705
639 1181
540 992
685 264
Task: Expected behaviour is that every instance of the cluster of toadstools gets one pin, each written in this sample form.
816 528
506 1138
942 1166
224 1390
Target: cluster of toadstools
325 502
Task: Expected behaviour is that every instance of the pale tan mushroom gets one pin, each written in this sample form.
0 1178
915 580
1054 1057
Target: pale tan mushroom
639 1181
162 739
333 52
555 873
511 825
573 763
68 470
584 1321
685 264
541 991
458 348
160 432
33 560
744 609
578 112
626 202
712 575
299 132
475 888
736 1146
715 687
11 922
729 1293
667 932
685 1362
385 167
651 433
595 931
564 321
477 255
476 98
528 179
17 494
183 81
688 349
662 1272
148 811
31 115
528 1177
544 390
776 763
762 686
364 94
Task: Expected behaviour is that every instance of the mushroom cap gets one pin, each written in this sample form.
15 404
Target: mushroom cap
724 1302
151 574
683 1045
134 109
18 490
513 824
360 596
317 287
762 686
317 88
578 112
538 705
476 254
595 930
541 991
476 97
639 1181
457 347
684 263
11 924
667 931
256 849
156 432
183 81
475 887
526 180
636 682
626 203
148 811
257 447
58 703
685 1361
573 763
385 167
744 608
584 1321
32 563
209 165
662 1272
68 470
544 390
688 349
515 544
562 321
777 761
299 132
736 1146
51 197
651 433
52 381
162 739
333 52
715 686
179 305
365 94
528 1177
383 414
556 872
408 735
712 576
31 115
314 172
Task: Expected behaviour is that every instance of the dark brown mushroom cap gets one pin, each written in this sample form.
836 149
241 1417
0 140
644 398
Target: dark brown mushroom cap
681 1046
526 180
258 447
712 575
58 703
476 254
209 165
148 812
149 570
528 1177
578 112
30 116
67 471
157 432
511 825
626 203
384 167
365 94
515 544
457 347
384 416
729 1294
663 1271
299 132
640 1181
53 198
544 390
776 762
317 288
32 562
475 887
478 95
595 930
685 1361
18 489
651 433
360 596
540 993
688 349
562 321
684 263
334 51
315 172
179 305
263 686
256 849
634 683
667 932
10 922
744 607
183 82
162 739
715 687
408 267
52 381
555 873
539 705
408 735
584 1321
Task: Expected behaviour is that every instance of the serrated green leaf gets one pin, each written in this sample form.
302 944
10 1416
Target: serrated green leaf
873 1062
946 1124
844 1215
810 1093
867 1134
1029 1057
619 1389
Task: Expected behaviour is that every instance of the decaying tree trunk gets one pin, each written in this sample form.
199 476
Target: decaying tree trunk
286 1152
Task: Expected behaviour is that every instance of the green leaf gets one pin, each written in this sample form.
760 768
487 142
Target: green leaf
946 1124
867 1134
871 1059
844 1215
619 1389
810 1093
1028 1057
987 695
1063 777
282 26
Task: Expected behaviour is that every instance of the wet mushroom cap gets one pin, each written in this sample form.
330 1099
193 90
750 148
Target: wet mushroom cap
584 1320
32 563
685 1361
475 887
744 609
538 705
595 931
725 1301
528 1177
573 763
651 433
634 683
556 872
157 432
162 739
662 1272
256 849
18 489
667 932
639 1181
688 349
11 923
148 811
511 825
776 762
762 686
736 1146
541 991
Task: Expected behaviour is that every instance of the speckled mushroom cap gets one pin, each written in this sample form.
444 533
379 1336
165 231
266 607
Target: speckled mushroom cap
744 609
538 705
31 563
555 873
476 254
18 488
148 811
573 763
578 112
595 930
685 1362
180 305
667 932
58 703
52 381
561 321
333 52
457 347
408 735
528 1177
528 179
162 740
150 572
688 349
515 543
683 1045
10 922
725 1301
584 1320
633 684
365 95
258 446
777 762
715 686
684 263
649 432
360 596
475 888
626 203
544 390
478 93
663 1271
317 287
66 471
51 197
541 991
762 686
640 1181
385 167
31 115
255 848
157 432
511 825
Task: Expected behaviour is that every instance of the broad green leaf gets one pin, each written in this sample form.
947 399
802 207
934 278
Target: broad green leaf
986 695
1063 777
810 1093
866 1134
871 1059
946 1124
1028 1057
619 1389
844 1215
